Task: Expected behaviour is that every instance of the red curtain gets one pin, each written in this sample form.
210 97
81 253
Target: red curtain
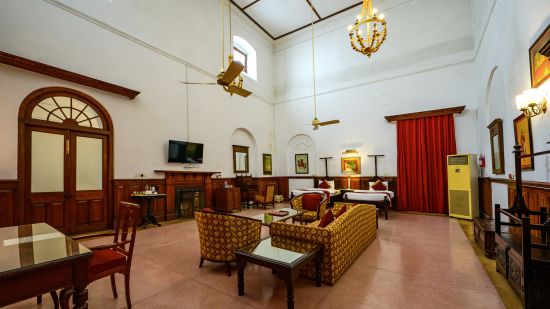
422 148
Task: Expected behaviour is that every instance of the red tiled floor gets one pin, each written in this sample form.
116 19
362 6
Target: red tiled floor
416 261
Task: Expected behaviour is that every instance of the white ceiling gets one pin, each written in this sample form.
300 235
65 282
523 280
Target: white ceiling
281 17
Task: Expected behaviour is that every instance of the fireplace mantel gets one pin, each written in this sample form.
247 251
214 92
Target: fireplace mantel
181 178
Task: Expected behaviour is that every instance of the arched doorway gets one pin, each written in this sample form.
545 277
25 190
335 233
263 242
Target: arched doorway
65 160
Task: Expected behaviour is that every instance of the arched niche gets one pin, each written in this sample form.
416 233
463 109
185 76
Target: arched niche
301 144
495 107
243 137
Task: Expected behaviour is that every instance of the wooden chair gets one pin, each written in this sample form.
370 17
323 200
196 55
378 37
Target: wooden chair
315 203
116 257
266 198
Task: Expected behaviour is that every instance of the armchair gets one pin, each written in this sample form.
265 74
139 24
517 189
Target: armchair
315 203
221 234
116 257
267 197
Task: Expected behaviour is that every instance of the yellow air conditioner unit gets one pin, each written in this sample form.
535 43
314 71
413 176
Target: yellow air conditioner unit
463 192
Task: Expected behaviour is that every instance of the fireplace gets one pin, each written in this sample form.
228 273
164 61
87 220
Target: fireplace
188 200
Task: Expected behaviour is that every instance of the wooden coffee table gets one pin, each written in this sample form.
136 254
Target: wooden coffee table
267 219
286 263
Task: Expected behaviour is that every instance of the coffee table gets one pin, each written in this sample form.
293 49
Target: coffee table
267 219
286 263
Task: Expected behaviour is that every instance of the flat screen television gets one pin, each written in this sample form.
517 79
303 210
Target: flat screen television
185 152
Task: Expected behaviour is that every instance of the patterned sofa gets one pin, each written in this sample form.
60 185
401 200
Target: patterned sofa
343 240
317 200
221 234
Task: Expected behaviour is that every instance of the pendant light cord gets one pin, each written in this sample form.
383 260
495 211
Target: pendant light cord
223 32
187 102
313 62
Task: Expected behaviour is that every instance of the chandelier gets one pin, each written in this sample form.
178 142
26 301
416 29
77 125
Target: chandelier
368 32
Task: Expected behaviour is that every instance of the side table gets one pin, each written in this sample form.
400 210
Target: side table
149 216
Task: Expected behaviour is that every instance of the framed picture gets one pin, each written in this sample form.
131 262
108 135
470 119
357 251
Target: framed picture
497 146
267 165
524 137
351 166
301 163
539 59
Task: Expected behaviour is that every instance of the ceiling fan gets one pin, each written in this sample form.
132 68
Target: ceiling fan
316 122
230 79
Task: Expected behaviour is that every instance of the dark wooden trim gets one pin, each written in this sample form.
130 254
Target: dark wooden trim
247 6
41 68
320 20
313 8
430 113
253 20
243 10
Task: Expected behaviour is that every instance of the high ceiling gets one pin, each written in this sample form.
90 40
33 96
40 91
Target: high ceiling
279 18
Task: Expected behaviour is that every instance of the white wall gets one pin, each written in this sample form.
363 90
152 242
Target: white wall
507 30
143 46
426 63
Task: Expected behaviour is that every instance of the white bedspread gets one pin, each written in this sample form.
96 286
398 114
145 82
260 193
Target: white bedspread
366 195
332 192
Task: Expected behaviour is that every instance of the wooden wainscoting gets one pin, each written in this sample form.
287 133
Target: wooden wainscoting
535 194
123 188
10 203
485 197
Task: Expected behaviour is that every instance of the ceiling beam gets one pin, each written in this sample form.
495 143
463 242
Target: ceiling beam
41 68
430 113
313 8
320 20
253 20
251 4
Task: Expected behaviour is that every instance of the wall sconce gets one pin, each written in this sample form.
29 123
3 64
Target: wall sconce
533 101
350 151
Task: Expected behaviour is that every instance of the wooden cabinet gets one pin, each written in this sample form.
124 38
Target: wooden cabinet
227 199
484 234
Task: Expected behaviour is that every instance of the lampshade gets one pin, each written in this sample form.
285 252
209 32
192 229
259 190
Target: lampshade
348 171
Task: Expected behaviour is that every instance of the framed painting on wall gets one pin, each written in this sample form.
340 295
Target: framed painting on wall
524 137
351 166
301 163
539 59
267 165
497 146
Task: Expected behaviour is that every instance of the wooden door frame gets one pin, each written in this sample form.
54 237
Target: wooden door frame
25 122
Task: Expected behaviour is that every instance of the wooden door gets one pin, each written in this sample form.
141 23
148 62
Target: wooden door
88 183
46 199
65 160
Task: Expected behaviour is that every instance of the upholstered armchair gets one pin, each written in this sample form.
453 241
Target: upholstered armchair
221 234
266 198
315 203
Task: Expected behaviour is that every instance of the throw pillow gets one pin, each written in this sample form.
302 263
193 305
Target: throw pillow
311 201
324 185
342 211
379 186
327 218
208 210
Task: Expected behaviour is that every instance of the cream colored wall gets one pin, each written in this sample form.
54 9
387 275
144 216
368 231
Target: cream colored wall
507 30
143 46
426 63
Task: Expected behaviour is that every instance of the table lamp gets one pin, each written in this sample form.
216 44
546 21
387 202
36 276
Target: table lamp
348 171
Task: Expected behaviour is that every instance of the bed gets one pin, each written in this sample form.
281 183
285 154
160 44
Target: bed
381 198
330 192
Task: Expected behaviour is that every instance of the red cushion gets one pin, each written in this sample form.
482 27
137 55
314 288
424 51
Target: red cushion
379 186
327 218
324 185
106 259
342 211
208 210
311 201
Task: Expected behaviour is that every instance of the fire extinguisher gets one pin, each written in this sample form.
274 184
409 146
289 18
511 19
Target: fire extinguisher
482 160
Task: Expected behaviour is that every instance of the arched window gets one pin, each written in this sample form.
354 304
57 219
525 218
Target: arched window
63 109
246 54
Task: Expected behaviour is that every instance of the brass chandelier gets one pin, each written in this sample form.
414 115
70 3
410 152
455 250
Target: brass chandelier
369 31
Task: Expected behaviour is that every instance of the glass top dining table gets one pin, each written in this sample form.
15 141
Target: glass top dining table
27 246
